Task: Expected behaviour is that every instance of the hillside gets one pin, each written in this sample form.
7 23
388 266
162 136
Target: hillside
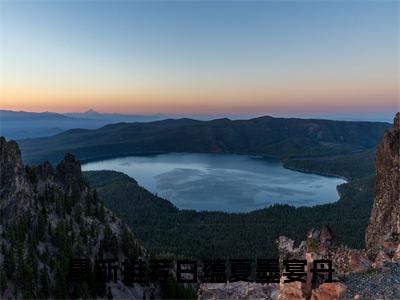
264 136
337 165
370 273
166 229
49 216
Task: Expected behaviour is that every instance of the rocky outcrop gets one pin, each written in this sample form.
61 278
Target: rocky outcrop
292 290
381 261
383 231
358 263
50 216
354 274
382 253
14 182
69 173
371 273
329 291
322 244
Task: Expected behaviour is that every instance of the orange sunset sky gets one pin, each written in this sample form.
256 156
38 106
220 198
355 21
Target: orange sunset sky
213 57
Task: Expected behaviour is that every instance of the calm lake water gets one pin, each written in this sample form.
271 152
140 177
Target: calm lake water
231 183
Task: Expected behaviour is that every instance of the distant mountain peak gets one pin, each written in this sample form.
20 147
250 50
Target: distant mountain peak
92 112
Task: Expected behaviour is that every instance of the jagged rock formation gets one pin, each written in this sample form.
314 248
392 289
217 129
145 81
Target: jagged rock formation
322 244
14 183
371 273
383 231
355 275
382 240
48 216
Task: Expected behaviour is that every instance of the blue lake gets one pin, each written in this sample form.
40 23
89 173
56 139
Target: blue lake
223 182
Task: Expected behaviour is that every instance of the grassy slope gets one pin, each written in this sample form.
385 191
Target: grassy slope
164 228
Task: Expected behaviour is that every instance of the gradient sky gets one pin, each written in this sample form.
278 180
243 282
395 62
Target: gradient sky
211 57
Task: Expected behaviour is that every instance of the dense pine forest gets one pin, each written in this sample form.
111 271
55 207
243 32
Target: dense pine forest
166 229
277 137
50 217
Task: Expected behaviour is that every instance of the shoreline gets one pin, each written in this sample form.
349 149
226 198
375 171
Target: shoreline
283 161
348 180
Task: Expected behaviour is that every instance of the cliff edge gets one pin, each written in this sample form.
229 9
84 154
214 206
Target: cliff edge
383 231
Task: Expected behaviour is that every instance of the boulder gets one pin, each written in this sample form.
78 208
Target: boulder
358 263
380 261
292 291
396 256
329 291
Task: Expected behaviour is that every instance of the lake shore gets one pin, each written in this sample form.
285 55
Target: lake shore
229 182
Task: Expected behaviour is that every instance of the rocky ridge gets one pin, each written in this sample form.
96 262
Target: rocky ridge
48 216
383 231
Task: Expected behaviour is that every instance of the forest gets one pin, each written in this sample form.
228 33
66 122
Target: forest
165 229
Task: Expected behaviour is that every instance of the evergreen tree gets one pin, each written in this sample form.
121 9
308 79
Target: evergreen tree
3 281
60 287
9 262
107 235
126 242
114 245
20 270
102 214
44 291
88 205
29 285
95 197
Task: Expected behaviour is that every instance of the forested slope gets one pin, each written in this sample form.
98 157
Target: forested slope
268 136
164 228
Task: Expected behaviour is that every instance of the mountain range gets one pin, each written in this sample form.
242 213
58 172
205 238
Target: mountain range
269 136
21 124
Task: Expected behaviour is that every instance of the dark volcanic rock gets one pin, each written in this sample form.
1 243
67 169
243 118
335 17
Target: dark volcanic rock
48 217
69 173
15 188
383 231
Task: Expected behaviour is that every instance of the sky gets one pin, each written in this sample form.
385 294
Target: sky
201 57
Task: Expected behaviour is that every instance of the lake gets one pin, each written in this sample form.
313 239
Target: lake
223 182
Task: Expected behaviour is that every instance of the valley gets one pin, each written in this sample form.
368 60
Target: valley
315 146
166 229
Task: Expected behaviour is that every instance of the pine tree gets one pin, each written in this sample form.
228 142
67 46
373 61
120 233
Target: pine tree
29 285
32 261
49 230
41 227
44 291
20 270
60 287
107 235
102 214
3 281
126 241
95 197
9 263
114 245
88 205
